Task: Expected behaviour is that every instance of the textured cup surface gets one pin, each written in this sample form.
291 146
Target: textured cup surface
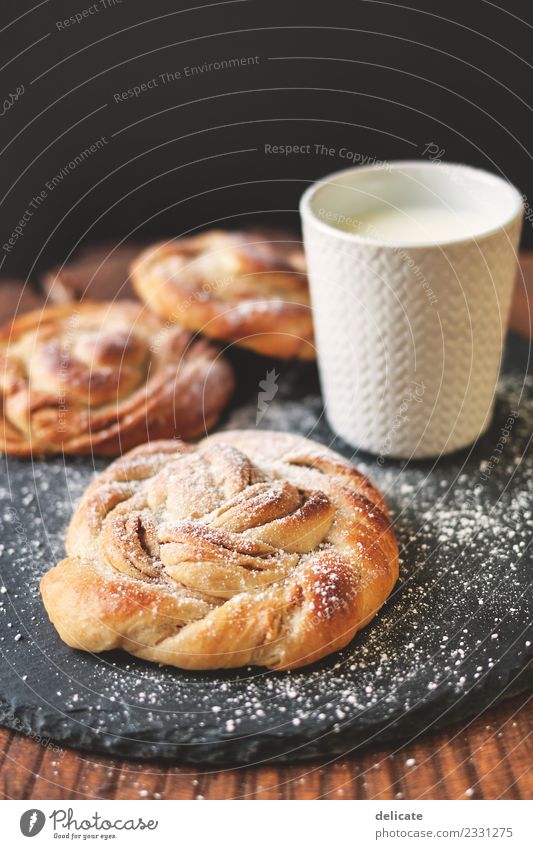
409 336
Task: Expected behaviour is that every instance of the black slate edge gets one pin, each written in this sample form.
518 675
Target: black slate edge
436 712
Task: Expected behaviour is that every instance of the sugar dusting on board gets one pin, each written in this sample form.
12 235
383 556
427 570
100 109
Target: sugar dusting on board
457 620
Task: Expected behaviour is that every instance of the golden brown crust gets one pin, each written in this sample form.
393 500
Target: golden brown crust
249 288
99 378
252 547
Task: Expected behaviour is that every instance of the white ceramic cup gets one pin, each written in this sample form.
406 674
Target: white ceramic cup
410 334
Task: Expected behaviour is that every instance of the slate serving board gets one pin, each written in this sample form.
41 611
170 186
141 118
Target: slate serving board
454 638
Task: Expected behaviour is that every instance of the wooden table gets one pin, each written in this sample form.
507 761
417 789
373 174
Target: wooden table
490 757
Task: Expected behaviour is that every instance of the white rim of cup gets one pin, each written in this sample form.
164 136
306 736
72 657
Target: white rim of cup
479 174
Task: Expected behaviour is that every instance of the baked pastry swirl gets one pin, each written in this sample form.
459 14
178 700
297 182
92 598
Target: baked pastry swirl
248 287
249 548
101 378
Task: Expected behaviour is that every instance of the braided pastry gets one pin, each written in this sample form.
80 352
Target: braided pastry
250 548
101 378
246 287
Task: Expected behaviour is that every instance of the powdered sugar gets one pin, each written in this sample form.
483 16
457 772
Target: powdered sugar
464 533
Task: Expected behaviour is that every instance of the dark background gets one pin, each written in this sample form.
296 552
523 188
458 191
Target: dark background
381 79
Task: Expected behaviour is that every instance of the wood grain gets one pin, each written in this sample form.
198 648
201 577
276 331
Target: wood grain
98 273
17 297
488 758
